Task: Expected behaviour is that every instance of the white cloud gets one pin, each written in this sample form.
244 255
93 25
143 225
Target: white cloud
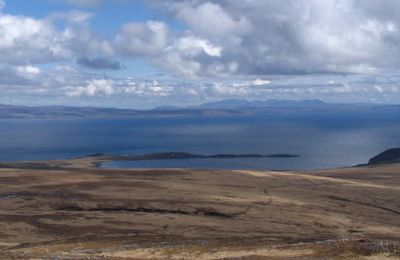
142 39
28 70
65 82
95 87
38 41
120 88
220 49
193 46
180 53
251 83
295 36
260 82
211 19
145 88
226 90
24 38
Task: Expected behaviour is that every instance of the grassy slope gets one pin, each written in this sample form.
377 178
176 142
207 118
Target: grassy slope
73 211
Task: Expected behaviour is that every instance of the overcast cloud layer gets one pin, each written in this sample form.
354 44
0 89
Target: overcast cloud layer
335 50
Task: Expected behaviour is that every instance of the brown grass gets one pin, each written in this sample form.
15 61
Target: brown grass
80 213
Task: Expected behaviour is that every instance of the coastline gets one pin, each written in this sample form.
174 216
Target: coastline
96 160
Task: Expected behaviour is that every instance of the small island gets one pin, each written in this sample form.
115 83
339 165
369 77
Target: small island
184 155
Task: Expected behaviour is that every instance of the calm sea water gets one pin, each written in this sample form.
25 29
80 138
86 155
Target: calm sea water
323 140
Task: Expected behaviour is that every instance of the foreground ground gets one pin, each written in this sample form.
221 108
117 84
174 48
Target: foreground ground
74 211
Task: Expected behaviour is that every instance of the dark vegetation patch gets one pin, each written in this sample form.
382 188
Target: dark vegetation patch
365 204
29 166
361 247
210 212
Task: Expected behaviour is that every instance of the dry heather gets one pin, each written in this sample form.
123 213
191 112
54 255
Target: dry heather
86 213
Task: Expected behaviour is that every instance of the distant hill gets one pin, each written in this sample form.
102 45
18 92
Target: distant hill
8 111
166 108
47 112
218 108
226 104
243 103
388 156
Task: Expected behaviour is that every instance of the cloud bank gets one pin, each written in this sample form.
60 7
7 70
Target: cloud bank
331 49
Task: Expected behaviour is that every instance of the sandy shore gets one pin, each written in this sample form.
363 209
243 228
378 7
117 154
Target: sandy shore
70 210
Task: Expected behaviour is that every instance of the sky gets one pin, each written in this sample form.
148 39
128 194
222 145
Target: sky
143 54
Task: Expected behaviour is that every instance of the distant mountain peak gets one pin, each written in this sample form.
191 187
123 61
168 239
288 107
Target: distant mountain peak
227 103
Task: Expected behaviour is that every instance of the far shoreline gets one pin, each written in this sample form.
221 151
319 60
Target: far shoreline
96 161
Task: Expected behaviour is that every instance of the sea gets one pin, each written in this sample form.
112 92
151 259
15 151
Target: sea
321 139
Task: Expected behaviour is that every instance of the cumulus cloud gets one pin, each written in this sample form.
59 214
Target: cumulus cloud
10 77
71 85
296 36
181 53
93 88
193 46
211 19
191 56
142 39
35 41
28 39
28 69
212 50
119 87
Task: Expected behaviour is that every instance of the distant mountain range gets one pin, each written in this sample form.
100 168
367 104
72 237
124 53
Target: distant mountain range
243 103
223 107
